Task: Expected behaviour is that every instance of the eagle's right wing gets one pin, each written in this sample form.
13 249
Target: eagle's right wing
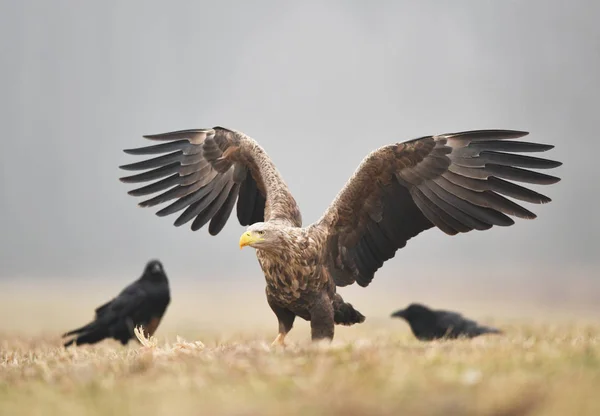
205 171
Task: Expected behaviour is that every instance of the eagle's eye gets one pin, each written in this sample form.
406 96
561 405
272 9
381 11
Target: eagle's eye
260 232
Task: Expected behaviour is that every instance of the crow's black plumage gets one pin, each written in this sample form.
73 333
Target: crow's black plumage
427 324
143 302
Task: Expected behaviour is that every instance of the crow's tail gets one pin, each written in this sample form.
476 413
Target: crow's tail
88 334
89 337
489 330
84 328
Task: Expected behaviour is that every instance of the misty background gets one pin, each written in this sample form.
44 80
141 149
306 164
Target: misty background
318 85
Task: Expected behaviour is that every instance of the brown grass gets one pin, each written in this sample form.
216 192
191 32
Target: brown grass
533 369
547 363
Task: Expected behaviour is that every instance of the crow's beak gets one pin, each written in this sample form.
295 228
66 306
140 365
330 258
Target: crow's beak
398 314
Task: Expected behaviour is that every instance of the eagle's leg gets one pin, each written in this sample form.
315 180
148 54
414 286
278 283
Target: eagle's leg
286 321
321 318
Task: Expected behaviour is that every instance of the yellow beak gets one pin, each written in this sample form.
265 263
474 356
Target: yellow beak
248 238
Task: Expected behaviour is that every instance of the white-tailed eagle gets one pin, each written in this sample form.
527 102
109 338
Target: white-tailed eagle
454 182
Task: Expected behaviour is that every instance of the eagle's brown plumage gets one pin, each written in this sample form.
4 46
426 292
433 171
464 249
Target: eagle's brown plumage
451 181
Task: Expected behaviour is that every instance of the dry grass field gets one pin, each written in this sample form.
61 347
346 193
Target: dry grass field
540 366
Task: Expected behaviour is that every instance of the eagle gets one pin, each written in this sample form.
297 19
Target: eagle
456 182
427 324
143 302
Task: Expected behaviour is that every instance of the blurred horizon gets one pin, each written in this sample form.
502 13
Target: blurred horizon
199 308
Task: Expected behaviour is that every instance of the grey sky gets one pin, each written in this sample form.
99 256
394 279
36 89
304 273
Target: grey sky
318 85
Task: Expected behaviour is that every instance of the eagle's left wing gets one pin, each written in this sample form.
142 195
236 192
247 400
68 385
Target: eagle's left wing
451 181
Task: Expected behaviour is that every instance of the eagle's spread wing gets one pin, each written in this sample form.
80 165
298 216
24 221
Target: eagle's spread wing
205 171
451 181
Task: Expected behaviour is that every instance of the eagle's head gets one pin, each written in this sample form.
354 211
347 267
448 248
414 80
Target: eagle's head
263 236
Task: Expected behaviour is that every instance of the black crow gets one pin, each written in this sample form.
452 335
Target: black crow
427 324
141 303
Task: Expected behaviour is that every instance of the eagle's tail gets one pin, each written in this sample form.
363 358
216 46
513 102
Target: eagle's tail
344 313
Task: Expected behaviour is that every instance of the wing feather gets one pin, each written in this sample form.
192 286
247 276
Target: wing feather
197 207
153 174
212 208
249 193
159 148
220 218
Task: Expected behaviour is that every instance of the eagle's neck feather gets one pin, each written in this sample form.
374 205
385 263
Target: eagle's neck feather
294 267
